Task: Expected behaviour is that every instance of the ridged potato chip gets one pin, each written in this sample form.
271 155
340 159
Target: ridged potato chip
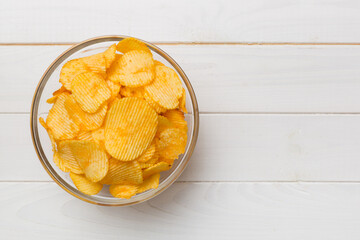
129 128
166 89
66 159
163 123
177 118
153 104
84 185
132 92
70 70
123 190
148 154
91 158
157 168
133 69
172 143
59 121
129 44
114 88
166 160
51 136
110 55
150 162
151 182
86 121
182 102
99 135
57 93
84 136
123 173
156 62
90 91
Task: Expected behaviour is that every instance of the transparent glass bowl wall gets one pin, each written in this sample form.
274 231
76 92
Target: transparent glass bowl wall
50 82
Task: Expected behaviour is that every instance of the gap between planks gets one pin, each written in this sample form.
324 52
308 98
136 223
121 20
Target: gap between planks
203 43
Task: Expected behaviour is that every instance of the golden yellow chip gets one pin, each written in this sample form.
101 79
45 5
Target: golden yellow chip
60 163
99 135
156 62
84 136
167 160
148 154
65 159
151 182
129 44
166 89
70 70
90 91
96 63
59 121
110 55
84 185
163 124
177 118
114 88
153 104
182 102
150 162
86 121
57 93
123 172
132 92
51 136
133 69
129 128
172 143
157 168
91 158
123 190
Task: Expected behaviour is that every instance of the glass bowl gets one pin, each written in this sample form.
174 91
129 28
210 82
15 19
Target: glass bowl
50 82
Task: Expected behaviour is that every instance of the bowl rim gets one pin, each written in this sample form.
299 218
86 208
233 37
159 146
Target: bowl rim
34 123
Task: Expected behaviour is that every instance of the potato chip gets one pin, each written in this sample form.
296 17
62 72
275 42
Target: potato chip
66 160
60 163
51 136
166 89
156 62
123 190
90 91
151 182
57 93
114 89
70 70
182 102
123 172
133 69
157 168
166 160
177 118
91 158
129 44
132 92
86 121
172 143
163 123
84 185
154 105
129 128
59 121
110 55
99 135
148 154
96 63
84 136
150 162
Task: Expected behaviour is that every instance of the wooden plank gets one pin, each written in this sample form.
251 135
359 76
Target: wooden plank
195 210
231 148
248 78
161 20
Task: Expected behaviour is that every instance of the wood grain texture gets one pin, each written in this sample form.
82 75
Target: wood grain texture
306 79
231 148
187 210
161 20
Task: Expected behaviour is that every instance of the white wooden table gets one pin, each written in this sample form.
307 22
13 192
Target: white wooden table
278 85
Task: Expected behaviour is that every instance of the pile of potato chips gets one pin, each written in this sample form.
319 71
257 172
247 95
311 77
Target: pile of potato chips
118 119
